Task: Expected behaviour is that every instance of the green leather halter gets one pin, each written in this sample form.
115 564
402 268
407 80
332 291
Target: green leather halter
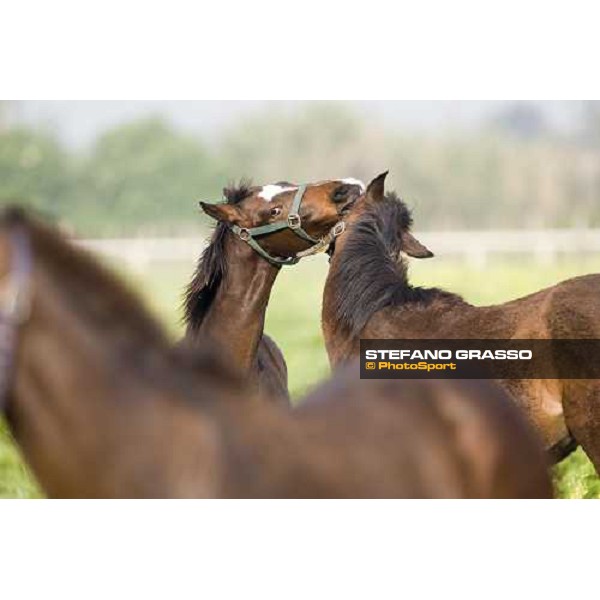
293 222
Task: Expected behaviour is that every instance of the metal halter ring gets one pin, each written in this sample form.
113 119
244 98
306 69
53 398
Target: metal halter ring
294 221
244 234
338 229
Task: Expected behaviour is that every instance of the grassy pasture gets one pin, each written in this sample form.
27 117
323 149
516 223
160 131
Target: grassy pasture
294 321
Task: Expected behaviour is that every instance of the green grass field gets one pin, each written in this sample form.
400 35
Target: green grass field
294 321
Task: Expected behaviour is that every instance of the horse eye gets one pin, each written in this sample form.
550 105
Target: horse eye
275 212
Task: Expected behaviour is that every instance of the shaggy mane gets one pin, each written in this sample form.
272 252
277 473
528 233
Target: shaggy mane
367 276
211 269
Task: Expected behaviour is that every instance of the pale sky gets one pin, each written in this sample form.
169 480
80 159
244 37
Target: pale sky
78 123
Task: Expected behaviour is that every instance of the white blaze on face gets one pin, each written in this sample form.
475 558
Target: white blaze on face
268 192
352 181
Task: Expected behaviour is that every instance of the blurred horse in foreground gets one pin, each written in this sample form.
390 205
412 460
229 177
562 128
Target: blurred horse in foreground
102 406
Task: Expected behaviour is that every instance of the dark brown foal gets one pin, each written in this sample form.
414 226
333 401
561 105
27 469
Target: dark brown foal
103 407
368 295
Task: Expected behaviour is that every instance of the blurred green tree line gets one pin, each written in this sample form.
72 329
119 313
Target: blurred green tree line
145 177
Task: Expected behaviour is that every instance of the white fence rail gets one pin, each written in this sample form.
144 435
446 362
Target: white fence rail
544 245
473 246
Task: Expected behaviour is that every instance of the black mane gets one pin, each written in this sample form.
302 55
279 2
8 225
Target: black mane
234 194
369 275
211 269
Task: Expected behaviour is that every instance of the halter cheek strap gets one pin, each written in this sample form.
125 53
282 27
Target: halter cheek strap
15 302
293 222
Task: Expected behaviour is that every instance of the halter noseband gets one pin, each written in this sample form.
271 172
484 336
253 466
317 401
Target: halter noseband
293 222
15 302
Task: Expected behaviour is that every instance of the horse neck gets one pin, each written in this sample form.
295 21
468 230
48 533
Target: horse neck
93 404
236 315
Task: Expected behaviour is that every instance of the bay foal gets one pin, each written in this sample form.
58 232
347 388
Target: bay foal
103 407
226 302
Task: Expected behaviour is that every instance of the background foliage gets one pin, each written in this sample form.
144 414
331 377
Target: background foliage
144 177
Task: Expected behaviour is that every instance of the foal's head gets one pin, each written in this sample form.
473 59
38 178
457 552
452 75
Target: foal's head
387 219
246 207
369 272
323 204
59 274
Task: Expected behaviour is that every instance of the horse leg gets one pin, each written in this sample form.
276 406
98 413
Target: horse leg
581 402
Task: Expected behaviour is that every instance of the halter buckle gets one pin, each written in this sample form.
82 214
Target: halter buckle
294 221
244 234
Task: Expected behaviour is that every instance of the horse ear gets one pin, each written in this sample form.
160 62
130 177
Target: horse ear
221 212
376 188
413 247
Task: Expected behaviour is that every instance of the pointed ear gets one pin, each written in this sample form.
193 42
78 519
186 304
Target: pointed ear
376 188
221 212
413 247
